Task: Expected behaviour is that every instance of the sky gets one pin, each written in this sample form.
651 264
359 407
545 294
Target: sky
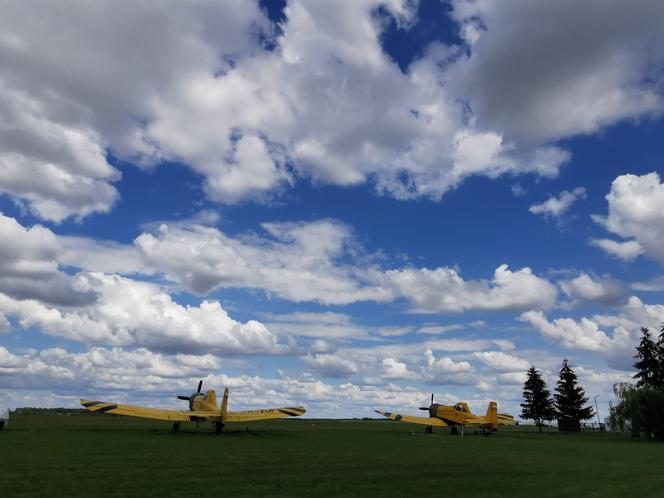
343 205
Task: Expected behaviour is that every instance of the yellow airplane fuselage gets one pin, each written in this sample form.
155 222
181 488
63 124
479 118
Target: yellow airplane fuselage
204 402
460 414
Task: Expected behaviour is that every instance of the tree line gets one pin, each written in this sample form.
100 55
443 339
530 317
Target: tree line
30 410
640 408
567 405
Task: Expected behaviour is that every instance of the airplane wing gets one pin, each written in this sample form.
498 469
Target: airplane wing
413 420
145 412
503 419
265 414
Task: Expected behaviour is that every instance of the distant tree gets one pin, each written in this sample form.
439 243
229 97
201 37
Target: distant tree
538 405
648 360
570 400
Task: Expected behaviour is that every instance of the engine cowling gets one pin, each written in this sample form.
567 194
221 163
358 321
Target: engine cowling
192 399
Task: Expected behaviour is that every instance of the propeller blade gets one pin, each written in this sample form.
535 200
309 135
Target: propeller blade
432 398
184 398
200 384
426 408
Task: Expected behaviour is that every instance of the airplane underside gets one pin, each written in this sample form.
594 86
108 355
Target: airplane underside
217 426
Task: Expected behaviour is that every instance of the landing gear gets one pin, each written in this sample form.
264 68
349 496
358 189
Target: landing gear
218 427
176 426
454 431
428 429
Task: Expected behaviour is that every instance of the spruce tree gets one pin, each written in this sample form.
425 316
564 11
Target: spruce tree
537 405
659 351
570 400
648 362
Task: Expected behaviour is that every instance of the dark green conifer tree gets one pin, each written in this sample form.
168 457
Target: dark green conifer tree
648 361
659 351
570 400
538 405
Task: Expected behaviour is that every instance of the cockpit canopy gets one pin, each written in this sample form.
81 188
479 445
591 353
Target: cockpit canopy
462 407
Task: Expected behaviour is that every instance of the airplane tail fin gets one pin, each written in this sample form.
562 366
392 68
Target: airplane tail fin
492 415
224 406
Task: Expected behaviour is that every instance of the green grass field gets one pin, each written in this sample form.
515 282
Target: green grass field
58 455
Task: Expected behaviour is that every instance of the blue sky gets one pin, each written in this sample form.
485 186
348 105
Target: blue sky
343 207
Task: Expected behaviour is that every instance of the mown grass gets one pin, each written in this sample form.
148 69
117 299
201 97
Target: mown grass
101 455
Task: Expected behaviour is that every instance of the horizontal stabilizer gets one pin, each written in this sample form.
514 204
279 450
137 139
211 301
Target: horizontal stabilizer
506 419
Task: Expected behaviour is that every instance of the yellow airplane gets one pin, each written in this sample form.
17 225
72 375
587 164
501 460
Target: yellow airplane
201 407
456 415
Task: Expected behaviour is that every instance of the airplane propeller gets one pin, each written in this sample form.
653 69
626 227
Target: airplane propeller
427 407
188 398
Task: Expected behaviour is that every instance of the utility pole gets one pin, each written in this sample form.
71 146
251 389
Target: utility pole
599 423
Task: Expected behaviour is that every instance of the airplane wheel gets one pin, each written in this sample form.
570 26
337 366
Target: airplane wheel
428 430
454 431
176 426
218 426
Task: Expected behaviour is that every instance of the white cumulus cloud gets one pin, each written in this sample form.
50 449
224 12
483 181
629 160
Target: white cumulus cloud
444 290
498 361
331 365
555 207
139 314
614 336
627 250
317 100
636 213
296 261
584 288
522 77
